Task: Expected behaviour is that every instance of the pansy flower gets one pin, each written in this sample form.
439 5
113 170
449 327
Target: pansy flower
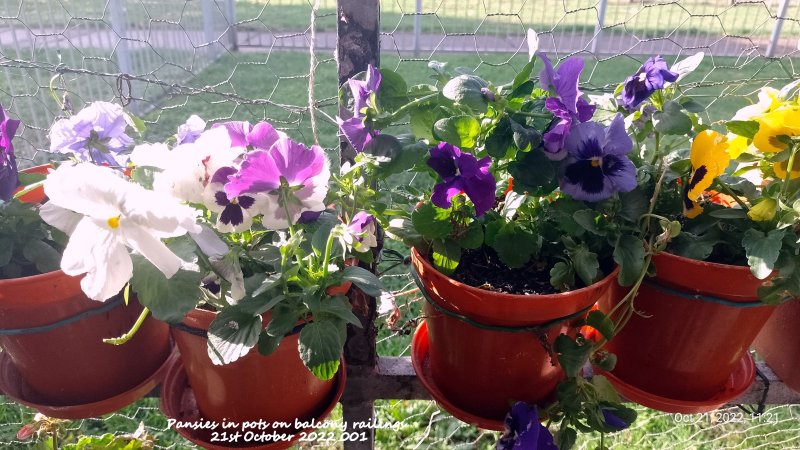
96 134
234 214
104 215
523 431
461 173
650 77
568 106
360 234
9 178
190 130
776 128
709 158
260 136
612 420
293 177
355 129
598 165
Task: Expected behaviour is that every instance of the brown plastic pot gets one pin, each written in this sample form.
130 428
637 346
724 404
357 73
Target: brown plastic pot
483 372
697 322
779 343
70 364
277 387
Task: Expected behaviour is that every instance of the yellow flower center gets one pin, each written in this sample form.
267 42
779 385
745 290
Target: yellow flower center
113 222
595 162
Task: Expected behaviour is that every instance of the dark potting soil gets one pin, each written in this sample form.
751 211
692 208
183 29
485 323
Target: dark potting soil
483 269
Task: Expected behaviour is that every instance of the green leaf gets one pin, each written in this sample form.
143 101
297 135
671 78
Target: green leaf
392 91
500 139
728 213
525 138
605 390
339 307
403 230
422 120
282 322
523 76
762 251
270 282
630 255
6 251
672 120
408 157
168 299
565 438
692 105
599 321
384 145
534 173
460 131
138 124
473 238
232 334
364 279
744 128
585 263
572 355
634 204
466 90
267 344
562 276
446 255
432 222
45 257
587 219
515 246
321 348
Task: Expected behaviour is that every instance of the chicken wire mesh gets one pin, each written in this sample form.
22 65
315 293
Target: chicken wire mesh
251 60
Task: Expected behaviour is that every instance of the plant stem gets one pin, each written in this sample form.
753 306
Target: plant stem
730 192
326 259
535 115
788 177
127 336
400 112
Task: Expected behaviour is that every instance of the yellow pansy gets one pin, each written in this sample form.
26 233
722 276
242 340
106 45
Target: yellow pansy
691 208
769 99
763 210
771 126
709 159
736 145
780 169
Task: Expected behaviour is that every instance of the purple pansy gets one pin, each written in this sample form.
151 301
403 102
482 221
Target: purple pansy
598 165
462 172
651 77
568 106
189 131
9 178
612 420
361 232
354 128
96 134
293 177
234 214
523 431
259 136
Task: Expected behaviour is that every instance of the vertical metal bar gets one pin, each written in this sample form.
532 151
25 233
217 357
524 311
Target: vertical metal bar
776 32
357 46
598 27
208 28
120 26
417 28
230 15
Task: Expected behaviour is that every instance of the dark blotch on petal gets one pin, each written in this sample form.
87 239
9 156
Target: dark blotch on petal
221 198
245 201
585 175
697 177
232 215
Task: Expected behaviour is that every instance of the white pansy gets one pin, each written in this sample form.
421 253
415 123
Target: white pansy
105 215
186 169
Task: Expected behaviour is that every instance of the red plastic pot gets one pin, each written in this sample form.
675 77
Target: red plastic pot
277 387
483 372
779 343
684 347
70 364
36 195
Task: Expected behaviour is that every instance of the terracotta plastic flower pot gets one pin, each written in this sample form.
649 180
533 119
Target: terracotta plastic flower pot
36 195
483 372
272 388
697 322
69 364
779 343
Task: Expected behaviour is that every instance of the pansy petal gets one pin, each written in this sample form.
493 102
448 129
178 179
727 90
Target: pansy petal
355 131
151 248
443 192
585 140
263 135
617 141
584 180
443 159
296 162
209 242
259 173
237 131
61 218
620 171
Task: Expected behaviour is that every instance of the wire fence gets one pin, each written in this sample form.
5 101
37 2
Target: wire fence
249 60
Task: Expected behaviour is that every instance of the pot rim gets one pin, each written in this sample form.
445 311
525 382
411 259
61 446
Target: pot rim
502 295
702 264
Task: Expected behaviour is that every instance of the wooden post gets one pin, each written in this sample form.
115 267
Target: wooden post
357 46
